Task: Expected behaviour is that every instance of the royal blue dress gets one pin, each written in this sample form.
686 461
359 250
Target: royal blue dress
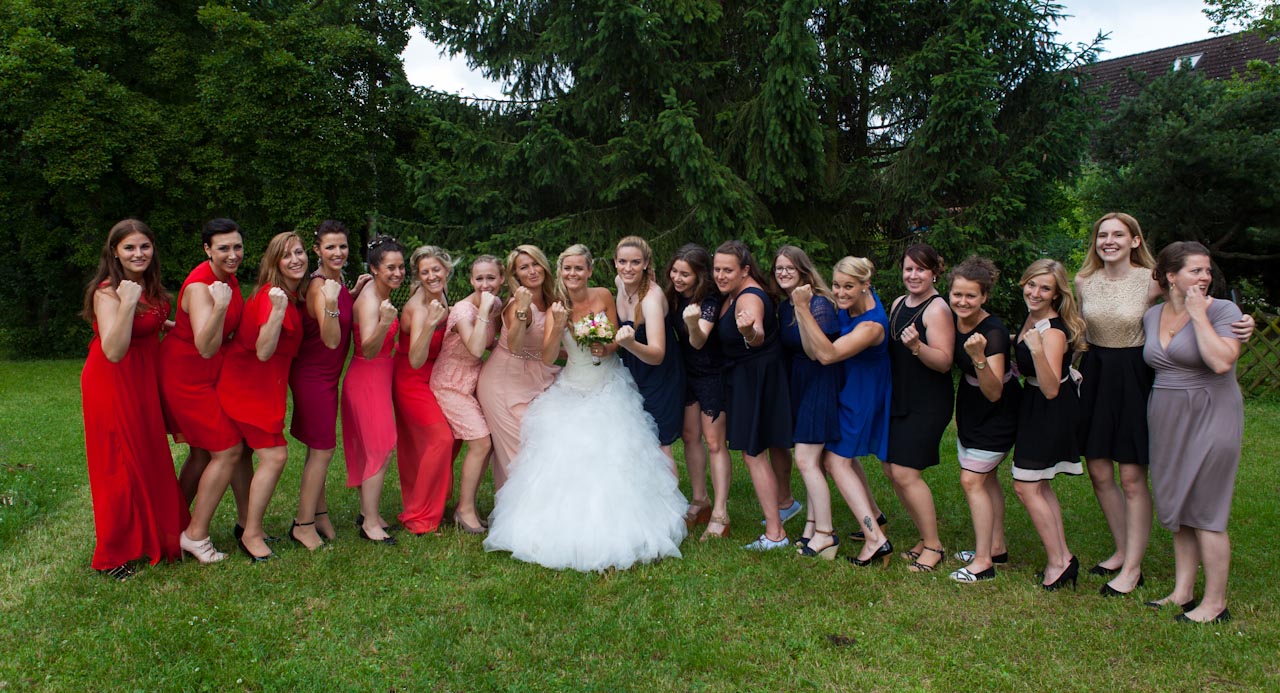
815 388
867 393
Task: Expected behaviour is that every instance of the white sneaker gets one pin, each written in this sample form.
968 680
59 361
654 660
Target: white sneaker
766 544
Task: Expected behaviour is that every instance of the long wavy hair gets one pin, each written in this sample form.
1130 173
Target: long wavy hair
806 272
1064 302
645 252
548 280
109 269
269 273
699 262
1140 256
562 294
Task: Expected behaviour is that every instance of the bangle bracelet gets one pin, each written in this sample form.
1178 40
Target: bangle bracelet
483 320
746 342
332 313
916 352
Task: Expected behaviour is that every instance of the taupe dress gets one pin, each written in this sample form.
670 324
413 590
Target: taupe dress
1196 420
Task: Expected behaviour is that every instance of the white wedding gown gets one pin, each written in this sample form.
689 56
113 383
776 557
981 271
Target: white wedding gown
589 488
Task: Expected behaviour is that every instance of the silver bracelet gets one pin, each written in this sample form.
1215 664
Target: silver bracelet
332 313
746 342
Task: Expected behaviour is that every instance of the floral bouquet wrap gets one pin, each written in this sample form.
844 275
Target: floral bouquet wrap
593 329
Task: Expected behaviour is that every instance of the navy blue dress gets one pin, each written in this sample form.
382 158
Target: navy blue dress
815 388
868 389
702 367
662 386
756 394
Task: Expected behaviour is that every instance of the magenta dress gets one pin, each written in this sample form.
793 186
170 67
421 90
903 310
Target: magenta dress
456 374
508 383
315 375
368 417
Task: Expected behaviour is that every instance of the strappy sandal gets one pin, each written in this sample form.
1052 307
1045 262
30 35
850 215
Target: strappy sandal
827 553
722 534
803 540
699 513
918 567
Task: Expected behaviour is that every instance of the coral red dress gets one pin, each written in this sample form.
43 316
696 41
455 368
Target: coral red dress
254 392
315 374
368 417
424 442
138 508
192 411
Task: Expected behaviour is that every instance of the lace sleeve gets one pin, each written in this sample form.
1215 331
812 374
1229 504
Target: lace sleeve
824 312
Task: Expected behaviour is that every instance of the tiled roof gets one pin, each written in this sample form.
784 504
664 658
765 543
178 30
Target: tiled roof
1216 58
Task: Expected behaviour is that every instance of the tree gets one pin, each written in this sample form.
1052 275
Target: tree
277 114
850 125
1198 159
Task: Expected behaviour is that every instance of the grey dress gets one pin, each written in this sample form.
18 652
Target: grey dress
1196 420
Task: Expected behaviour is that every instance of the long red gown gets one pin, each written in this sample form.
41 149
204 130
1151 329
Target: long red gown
424 441
368 415
138 508
187 380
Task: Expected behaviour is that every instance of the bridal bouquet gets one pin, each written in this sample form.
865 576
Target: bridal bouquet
593 329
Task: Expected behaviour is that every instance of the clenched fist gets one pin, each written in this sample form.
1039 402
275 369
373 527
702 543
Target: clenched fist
279 299
626 336
330 291
386 312
220 292
801 295
436 312
691 314
976 346
129 292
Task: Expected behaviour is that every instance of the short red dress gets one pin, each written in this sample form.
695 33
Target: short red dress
255 393
192 411
138 508
424 442
368 417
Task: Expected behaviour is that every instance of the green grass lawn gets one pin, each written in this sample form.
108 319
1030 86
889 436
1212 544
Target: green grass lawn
437 613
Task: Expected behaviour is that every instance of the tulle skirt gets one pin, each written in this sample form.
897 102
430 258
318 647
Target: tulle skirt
589 488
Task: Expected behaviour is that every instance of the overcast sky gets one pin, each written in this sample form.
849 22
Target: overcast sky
1134 26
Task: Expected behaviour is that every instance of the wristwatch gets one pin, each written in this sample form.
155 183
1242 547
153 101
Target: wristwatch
980 364
522 315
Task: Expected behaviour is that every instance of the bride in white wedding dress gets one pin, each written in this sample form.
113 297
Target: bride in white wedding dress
590 488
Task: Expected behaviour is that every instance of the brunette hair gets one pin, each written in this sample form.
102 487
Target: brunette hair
805 271
329 226
742 254
217 227
548 281
269 269
562 294
976 269
379 247
923 255
433 251
1140 256
699 262
1173 257
1064 303
112 273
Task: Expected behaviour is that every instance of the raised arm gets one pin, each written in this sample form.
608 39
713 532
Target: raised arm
989 363
322 305
476 334
377 318
207 308
1047 350
423 321
557 318
654 310
698 325
515 325
937 351
816 343
1218 352
269 332
114 310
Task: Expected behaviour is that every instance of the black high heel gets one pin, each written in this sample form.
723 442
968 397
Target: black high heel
295 538
1103 571
861 536
1185 606
1222 617
238 531
1109 591
828 552
885 552
254 557
385 528
1072 573
322 535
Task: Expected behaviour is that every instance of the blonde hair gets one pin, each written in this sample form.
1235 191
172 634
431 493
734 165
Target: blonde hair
806 273
513 282
859 268
562 294
269 273
645 252
1140 256
1064 303
423 252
